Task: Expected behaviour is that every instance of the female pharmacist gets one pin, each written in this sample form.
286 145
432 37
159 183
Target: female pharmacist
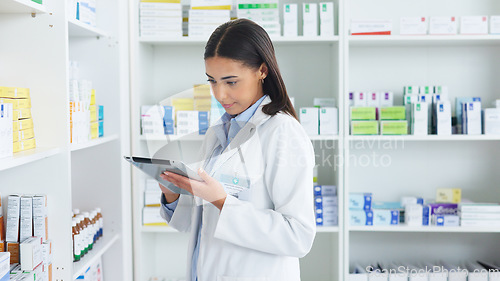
252 217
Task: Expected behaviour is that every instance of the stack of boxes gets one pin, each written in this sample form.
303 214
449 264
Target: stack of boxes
326 205
157 120
360 209
479 215
151 211
264 13
322 119
26 236
365 109
205 16
393 120
16 104
189 122
161 18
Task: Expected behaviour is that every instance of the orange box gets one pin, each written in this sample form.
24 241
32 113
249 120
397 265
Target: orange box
13 248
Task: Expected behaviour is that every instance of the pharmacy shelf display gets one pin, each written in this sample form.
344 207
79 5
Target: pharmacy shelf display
85 178
164 67
392 167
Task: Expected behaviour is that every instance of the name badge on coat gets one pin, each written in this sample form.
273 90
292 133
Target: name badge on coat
234 184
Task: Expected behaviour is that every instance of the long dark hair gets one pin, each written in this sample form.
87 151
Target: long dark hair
244 40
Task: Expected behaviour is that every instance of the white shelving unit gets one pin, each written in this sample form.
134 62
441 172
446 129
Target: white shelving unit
163 67
77 28
38 42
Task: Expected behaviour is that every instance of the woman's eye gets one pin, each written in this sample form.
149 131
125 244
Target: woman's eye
211 81
231 82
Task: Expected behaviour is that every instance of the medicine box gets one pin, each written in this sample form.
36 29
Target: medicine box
360 201
412 90
364 128
474 25
325 190
407 200
443 208
326 16
14 93
420 118
491 117
6 130
386 205
359 99
363 113
373 99
309 118
394 127
426 90
13 217
371 27
40 217
324 102
446 220
443 90
310 19
443 26
413 214
360 217
328 121
413 26
494 24
473 122
386 99
152 198
321 202
448 195
385 217
151 217
31 253
443 118
393 113
13 249
26 223
290 20
4 266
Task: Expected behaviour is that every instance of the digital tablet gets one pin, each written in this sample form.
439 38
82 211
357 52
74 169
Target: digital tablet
155 167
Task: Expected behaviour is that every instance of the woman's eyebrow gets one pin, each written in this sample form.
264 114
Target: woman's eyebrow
223 78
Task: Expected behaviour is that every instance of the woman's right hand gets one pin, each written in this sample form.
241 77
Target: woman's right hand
169 195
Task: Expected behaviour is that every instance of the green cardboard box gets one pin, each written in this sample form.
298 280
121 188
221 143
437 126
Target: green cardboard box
394 127
364 128
393 113
363 113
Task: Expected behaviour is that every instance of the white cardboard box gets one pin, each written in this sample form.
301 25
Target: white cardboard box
309 118
473 118
474 25
6 133
13 215
310 19
290 20
360 99
420 118
26 223
413 26
373 99
443 26
371 27
31 252
328 121
40 217
494 24
326 16
443 116
491 121
386 99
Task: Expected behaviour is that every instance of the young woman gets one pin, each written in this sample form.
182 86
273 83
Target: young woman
252 217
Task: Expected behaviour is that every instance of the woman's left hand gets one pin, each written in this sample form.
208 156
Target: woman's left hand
209 189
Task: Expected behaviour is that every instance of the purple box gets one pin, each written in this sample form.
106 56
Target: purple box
443 209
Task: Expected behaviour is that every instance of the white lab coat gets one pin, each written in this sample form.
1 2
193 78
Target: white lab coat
263 230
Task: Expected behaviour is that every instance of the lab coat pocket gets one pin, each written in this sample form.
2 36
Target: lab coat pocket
229 278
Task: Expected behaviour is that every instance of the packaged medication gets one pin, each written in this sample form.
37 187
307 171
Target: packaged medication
393 113
40 217
386 99
413 26
443 118
290 20
309 118
192 121
373 99
495 25
399 127
360 217
26 223
446 220
321 202
385 217
326 215
328 121
426 90
406 200
326 17
324 102
152 198
14 93
459 101
474 25
472 118
152 120
359 99
443 209
449 195
491 117
386 205
151 217
420 118
13 217
413 214
443 26
364 128
325 190
363 113
4 266
360 201
351 98
31 253
310 19
371 27
6 130
13 249
443 90
412 90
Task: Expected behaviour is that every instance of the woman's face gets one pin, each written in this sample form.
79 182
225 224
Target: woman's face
235 85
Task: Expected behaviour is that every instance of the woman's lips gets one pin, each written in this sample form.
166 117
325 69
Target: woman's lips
227 105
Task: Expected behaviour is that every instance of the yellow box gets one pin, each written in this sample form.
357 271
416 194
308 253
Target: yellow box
94 130
93 113
17 146
17 103
449 195
92 97
25 124
15 115
14 93
25 134
27 144
15 126
24 113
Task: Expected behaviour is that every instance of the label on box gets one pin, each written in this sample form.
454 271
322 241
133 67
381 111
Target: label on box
361 201
363 113
364 127
371 27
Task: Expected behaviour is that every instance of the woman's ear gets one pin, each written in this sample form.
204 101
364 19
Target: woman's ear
263 71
